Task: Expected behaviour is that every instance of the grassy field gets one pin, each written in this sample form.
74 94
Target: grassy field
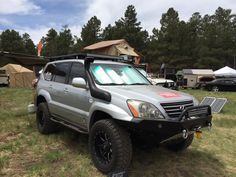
25 152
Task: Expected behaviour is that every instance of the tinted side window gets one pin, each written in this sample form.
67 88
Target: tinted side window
48 73
220 82
229 82
77 70
61 71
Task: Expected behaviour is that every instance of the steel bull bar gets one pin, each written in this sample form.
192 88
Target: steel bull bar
191 120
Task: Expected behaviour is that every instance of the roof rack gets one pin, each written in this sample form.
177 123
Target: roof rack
83 56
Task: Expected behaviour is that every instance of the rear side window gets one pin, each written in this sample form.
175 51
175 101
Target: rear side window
229 82
61 71
221 81
77 70
48 73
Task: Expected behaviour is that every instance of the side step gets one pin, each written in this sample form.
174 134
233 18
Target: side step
69 125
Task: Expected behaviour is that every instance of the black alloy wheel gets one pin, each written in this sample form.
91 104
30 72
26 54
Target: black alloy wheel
110 146
103 147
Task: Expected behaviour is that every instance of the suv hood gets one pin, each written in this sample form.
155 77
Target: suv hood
148 93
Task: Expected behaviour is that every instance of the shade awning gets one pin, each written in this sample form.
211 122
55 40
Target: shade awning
225 72
21 59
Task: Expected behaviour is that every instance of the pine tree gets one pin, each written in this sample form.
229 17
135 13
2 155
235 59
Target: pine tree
108 33
28 44
11 41
65 41
50 43
91 31
169 39
78 46
128 28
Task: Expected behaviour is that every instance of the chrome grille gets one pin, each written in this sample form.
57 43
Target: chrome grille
174 109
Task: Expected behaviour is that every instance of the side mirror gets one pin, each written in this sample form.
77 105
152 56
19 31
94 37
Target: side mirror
79 82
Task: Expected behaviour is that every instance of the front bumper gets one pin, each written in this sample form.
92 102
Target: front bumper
192 119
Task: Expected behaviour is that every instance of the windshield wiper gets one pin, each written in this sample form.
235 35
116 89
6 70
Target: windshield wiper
125 84
139 84
114 84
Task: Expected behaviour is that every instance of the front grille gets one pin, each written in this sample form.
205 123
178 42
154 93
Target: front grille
174 109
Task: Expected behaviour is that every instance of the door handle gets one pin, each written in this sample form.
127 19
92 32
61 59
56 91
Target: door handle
50 87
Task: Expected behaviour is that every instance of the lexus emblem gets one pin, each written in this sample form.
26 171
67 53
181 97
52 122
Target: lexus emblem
181 108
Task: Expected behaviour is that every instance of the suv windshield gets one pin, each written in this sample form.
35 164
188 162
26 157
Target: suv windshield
114 74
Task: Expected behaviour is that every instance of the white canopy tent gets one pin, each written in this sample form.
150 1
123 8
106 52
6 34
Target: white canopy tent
225 72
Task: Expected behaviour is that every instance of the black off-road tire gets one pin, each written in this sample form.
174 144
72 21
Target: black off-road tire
120 143
180 144
44 124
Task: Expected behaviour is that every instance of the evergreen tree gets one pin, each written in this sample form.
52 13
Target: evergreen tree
194 34
167 34
108 33
50 43
91 31
28 44
11 41
128 28
65 41
78 46
217 42
169 39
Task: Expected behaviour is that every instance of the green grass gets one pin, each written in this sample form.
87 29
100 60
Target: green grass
25 152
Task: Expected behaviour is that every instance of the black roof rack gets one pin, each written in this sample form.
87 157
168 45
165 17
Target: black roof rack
83 56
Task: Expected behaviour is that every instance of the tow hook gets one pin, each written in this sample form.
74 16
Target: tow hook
185 134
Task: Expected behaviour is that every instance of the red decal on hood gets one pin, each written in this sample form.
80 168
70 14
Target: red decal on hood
169 94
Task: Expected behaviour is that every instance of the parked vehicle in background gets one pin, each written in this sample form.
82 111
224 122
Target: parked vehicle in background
4 78
202 82
224 84
167 83
111 102
143 72
196 78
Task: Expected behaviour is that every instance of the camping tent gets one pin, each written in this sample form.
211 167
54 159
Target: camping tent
19 75
112 47
225 72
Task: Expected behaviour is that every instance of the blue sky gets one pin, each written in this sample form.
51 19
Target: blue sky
48 12
36 17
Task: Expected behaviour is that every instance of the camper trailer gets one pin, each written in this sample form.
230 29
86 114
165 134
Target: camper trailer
195 78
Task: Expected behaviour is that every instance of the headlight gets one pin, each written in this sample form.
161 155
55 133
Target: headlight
145 110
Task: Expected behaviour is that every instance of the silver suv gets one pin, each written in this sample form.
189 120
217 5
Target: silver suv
112 102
